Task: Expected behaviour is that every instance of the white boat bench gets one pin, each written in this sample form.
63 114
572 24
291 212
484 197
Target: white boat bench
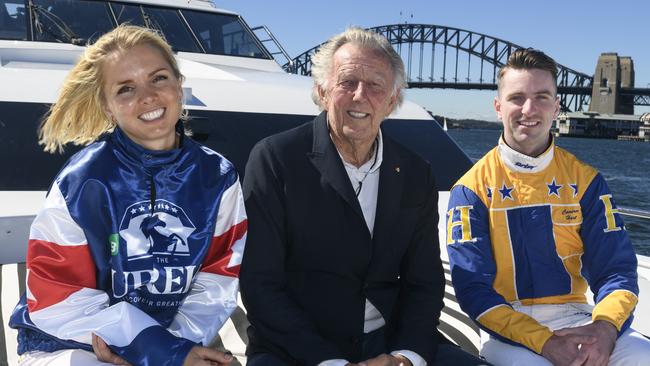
454 323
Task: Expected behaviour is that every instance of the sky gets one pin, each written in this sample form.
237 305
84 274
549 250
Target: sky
573 32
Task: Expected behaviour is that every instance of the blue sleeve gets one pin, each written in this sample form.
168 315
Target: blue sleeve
609 262
470 252
155 346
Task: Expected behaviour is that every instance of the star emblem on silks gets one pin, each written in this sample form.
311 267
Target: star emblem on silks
506 192
554 188
575 189
489 192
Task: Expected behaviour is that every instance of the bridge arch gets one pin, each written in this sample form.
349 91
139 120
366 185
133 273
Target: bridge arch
438 56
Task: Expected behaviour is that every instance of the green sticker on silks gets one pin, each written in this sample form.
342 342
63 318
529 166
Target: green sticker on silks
114 240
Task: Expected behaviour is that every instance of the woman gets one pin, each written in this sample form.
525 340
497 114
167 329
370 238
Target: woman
136 253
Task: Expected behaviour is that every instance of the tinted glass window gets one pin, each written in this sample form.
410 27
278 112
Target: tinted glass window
170 23
167 21
131 14
69 21
223 34
25 166
13 20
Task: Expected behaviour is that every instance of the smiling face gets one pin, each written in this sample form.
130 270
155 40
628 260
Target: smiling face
527 104
359 95
143 95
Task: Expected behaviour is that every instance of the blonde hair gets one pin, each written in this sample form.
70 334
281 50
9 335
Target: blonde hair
321 62
78 115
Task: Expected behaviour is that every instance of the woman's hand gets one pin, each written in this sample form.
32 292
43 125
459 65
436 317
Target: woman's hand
198 356
105 354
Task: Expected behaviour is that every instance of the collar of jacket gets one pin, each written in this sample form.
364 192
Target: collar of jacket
523 163
327 161
148 158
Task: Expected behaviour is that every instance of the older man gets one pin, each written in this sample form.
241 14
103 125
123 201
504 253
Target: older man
529 227
342 259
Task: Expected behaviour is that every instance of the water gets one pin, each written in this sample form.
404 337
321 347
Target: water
624 164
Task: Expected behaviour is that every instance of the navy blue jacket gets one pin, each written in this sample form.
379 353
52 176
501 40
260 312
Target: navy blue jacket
310 262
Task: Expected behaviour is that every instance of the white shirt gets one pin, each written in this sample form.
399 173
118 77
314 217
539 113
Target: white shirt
365 182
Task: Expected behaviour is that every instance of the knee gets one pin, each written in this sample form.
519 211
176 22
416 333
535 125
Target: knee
631 349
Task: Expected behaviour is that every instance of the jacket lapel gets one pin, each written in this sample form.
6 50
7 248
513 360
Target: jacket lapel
391 182
328 162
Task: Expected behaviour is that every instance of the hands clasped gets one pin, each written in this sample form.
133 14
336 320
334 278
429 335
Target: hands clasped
588 345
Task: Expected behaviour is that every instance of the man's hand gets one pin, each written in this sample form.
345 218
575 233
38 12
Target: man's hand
598 352
105 354
202 356
562 350
384 360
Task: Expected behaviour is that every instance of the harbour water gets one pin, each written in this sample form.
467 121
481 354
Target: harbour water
624 164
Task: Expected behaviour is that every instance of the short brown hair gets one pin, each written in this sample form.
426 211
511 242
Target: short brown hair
526 59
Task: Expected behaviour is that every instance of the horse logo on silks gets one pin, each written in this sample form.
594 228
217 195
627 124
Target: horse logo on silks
161 239
163 232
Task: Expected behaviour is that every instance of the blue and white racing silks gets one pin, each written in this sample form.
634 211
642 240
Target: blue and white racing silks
139 247
537 231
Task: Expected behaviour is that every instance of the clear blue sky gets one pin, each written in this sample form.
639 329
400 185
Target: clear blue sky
573 32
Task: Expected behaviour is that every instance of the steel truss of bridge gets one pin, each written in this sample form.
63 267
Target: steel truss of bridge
445 57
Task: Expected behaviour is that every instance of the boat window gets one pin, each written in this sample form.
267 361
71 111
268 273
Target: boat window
222 34
166 20
83 21
13 20
131 14
67 21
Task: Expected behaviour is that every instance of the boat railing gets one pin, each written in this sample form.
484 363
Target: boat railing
643 215
266 37
634 212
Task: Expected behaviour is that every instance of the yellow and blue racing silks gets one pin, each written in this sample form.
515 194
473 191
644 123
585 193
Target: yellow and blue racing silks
537 231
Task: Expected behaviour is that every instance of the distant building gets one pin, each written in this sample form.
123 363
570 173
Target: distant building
644 129
597 125
610 113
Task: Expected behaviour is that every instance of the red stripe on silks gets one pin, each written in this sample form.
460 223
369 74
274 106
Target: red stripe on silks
57 271
220 252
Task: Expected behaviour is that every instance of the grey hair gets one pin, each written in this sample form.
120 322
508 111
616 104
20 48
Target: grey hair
321 66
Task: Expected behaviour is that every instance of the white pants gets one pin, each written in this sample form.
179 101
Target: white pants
631 348
66 357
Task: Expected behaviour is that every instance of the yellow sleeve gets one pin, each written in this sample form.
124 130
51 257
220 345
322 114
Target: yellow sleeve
515 326
615 307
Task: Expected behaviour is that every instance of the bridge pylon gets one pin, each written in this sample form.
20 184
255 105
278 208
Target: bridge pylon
613 72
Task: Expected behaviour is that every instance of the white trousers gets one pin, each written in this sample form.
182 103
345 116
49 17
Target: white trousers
631 348
66 357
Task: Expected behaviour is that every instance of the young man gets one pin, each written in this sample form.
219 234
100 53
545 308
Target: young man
529 227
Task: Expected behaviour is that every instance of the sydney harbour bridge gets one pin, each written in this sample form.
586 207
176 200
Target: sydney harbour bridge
445 57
